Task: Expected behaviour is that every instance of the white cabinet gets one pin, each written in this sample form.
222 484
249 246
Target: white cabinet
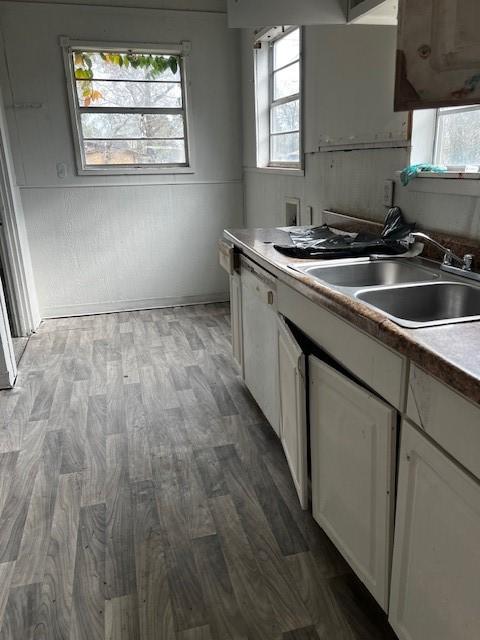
260 339
236 317
436 563
373 11
438 54
353 438
251 13
293 421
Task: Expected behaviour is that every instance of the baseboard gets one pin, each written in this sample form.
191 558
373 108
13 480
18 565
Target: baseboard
116 306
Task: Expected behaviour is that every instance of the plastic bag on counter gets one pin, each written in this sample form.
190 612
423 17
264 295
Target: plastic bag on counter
322 242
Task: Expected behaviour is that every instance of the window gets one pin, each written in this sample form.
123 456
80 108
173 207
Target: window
129 109
457 139
448 137
278 98
284 90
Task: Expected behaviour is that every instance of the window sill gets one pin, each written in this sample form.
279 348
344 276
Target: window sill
166 171
453 183
277 170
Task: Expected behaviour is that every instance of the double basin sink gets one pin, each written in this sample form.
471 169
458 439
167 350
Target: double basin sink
413 293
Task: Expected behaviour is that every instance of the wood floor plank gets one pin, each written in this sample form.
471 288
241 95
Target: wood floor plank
154 602
139 454
364 616
19 616
14 513
193 499
116 418
154 402
250 588
226 620
60 407
74 429
199 633
94 474
120 554
313 587
46 393
211 472
121 618
192 336
307 633
328 559
30 565
171 507
54 612
28 385
185 588
83 356
129 358
8 462
280 519
98 379
170 430
6 575
290 610
88 600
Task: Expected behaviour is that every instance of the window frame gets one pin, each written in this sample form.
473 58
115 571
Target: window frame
285 100
182 50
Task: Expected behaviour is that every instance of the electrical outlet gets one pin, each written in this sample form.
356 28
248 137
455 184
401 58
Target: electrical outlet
61 169
388 187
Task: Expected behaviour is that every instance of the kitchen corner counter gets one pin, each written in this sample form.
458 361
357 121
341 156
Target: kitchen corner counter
450 353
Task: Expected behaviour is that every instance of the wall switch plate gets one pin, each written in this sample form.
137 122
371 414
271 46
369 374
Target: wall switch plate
388 188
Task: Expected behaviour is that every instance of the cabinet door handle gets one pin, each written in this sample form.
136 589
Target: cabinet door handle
270 297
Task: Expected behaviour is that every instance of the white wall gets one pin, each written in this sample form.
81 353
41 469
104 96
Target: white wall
120 242
346 68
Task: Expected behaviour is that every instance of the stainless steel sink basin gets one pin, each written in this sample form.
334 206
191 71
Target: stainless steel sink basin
427 304
370 274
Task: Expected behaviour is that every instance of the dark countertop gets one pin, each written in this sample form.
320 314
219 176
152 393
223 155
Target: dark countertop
451 353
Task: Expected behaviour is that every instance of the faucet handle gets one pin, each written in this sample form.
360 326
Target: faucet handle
468 261
447 258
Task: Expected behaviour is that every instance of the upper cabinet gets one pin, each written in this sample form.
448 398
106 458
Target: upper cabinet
335 119
252 13
438 54
373 11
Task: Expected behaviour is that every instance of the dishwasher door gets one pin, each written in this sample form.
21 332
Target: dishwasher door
260 339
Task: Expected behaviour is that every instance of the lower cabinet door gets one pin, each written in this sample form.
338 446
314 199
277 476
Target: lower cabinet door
435 590
260 345
293 420
353 439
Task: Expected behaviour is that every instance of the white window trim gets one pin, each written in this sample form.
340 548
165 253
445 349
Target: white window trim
182 50
291 98
424 139
263 94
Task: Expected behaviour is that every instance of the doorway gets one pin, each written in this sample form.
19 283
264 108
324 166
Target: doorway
19 342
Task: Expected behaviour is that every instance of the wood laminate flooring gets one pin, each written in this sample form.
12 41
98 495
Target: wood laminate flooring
143 496
19 346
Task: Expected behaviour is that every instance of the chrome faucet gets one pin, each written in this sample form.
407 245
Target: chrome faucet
465 264
448 256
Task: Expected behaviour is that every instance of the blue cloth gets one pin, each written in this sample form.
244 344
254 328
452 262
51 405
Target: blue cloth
413 170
